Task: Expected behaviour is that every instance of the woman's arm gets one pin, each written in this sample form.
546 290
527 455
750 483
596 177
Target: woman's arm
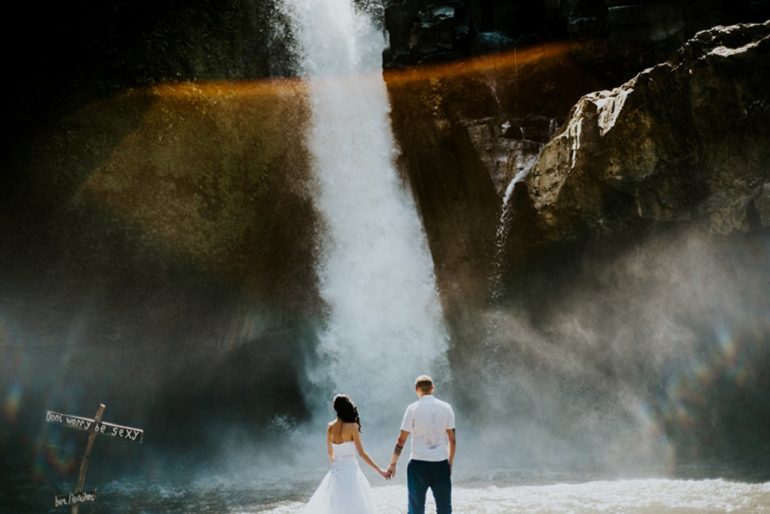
365 456
329 449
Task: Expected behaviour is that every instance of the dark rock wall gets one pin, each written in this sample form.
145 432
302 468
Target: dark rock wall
629 34
59 56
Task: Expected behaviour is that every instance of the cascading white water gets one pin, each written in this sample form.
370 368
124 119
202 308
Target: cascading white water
504 228
375 273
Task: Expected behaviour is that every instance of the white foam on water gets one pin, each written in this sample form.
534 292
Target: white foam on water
645 496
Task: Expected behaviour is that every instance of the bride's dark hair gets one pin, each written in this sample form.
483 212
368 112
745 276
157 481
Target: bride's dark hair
346 410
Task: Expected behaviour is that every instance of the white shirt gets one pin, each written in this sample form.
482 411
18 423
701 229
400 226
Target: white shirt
427 420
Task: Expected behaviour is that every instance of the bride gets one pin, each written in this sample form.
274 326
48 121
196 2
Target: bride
344 489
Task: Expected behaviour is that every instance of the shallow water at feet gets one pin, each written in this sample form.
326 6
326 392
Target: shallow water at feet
622 496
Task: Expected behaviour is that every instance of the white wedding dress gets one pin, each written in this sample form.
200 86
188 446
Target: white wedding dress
344 489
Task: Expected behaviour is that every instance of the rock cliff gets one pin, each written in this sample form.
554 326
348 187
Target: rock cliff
684 141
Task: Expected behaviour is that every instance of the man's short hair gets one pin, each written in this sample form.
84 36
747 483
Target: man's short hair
424 383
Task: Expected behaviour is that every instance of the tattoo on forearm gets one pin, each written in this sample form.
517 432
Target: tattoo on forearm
397 449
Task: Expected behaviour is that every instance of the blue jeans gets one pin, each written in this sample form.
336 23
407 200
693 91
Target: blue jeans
421 475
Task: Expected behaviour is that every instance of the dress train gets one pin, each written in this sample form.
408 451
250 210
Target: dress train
344 489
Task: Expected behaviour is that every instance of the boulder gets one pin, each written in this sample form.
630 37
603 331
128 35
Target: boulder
683 141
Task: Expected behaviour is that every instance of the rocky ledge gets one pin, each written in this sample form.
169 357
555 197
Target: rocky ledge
684 141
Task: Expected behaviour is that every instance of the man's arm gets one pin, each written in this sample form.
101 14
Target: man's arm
452 436
400 442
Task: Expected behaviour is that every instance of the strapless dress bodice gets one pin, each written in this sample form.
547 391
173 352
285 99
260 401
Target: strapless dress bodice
344 450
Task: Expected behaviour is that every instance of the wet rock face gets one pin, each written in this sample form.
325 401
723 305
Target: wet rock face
684 141
423 30
62 56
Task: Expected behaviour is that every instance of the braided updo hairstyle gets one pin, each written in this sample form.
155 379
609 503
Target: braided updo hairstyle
346 410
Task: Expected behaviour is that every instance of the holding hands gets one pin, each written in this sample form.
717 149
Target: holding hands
389 473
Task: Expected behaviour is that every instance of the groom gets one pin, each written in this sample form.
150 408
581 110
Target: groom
432 425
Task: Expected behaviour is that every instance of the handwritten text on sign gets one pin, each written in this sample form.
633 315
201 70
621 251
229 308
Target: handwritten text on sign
74 498
103 428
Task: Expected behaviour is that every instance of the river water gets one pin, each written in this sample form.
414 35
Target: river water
492 495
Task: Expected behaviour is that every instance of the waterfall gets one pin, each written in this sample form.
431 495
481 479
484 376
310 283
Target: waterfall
375 272
504 228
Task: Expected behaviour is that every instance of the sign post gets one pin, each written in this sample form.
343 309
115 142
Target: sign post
94 427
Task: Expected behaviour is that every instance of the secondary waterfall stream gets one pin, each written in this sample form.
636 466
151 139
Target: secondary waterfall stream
504 228
385 323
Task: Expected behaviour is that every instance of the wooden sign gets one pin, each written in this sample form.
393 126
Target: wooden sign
101 427
74 498
94 427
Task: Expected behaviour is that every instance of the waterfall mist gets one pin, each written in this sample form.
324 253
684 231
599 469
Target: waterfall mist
647 359
384 324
